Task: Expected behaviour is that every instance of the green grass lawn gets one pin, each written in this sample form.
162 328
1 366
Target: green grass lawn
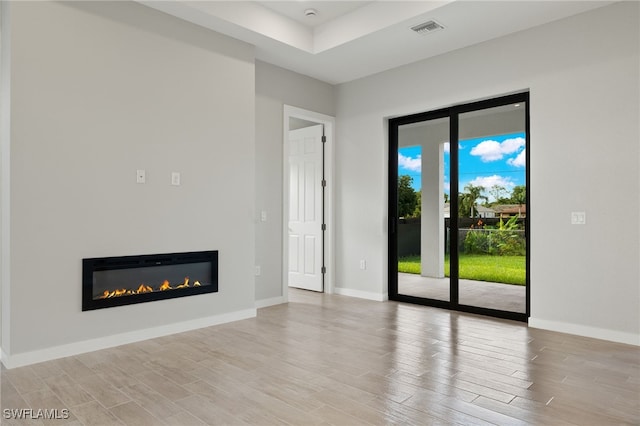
497 269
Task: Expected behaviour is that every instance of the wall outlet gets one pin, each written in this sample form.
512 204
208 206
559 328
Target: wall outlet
141 176
263 215
258 271
363 264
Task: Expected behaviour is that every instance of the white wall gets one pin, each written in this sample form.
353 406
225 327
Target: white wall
98 91
276 87
4 162
585 156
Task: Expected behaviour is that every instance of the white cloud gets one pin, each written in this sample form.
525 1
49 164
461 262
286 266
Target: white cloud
491 150
487 151
410 163
520 160
509 146
447 147
488 181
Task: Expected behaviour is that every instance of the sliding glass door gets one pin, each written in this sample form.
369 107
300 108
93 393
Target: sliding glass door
458 216
422 182
491 207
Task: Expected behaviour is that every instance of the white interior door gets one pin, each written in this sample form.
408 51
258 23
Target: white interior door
305 208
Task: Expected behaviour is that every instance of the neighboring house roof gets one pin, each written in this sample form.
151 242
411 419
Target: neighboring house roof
483 209
510 208
479 209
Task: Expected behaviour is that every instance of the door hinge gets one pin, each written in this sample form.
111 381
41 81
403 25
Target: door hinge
324 183
324 227
324 139
323 270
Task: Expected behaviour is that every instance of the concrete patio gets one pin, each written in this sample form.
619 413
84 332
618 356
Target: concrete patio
505 297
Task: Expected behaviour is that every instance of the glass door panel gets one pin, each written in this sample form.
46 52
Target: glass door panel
423 209
492 188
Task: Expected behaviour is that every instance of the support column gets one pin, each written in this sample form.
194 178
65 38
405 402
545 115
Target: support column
432 219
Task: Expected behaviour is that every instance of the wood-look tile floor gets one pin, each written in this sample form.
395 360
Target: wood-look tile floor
335 360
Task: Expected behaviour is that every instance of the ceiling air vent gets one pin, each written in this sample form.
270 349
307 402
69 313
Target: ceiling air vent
427 27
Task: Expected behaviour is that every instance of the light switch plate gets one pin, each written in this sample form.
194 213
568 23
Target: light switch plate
141 176
578 218
175 178
263 215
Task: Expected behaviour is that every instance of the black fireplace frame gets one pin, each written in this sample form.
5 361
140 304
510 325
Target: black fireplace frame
91 265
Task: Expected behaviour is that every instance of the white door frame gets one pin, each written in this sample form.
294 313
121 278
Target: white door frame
329 245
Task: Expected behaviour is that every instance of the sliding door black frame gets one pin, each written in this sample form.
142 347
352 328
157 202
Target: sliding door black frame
452 113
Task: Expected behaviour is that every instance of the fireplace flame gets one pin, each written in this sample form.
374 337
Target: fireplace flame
185 283
115 293
144 288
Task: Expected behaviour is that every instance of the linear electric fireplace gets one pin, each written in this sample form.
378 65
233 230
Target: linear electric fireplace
124 280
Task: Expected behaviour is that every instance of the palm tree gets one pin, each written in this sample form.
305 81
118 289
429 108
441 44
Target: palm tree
469 198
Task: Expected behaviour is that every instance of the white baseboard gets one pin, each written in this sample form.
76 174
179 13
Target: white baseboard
33 357
264 303
586 331
378 297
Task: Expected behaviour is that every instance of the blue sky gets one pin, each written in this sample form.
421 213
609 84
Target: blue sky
495 160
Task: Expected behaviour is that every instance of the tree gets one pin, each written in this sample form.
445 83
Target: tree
446 197
417 212
407 198
519 196
468 199
464 206
498 193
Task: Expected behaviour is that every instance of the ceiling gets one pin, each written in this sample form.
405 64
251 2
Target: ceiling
326 10
347 40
